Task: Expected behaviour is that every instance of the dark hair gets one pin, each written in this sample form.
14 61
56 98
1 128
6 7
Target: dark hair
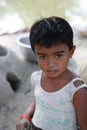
51 31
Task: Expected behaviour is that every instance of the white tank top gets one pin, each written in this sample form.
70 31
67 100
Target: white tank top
54 110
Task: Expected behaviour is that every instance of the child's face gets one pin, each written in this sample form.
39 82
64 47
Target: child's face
53 61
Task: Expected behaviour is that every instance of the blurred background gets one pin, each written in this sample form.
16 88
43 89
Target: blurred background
16 14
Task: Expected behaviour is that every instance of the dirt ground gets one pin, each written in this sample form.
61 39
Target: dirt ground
18 101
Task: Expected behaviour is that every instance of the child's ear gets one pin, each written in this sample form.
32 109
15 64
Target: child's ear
72 51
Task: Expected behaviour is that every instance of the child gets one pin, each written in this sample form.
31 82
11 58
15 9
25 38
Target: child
60 95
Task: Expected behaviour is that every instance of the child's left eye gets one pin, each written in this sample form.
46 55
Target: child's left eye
59 55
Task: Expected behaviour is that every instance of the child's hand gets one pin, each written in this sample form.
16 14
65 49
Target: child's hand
23 124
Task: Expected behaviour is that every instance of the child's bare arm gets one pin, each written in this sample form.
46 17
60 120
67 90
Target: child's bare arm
31 109
26 117
80 101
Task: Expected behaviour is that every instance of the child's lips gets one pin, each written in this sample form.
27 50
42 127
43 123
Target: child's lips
52 71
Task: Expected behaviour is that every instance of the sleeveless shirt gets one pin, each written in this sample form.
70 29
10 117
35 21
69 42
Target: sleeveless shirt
55 110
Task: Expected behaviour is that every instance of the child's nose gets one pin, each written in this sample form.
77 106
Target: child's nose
51 62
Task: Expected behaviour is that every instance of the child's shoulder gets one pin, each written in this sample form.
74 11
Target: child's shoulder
76 80
75 85
35 77
36 73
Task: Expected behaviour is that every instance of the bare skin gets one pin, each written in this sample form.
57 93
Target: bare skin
81 107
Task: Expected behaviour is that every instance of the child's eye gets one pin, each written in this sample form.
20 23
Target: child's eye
42 57
59 55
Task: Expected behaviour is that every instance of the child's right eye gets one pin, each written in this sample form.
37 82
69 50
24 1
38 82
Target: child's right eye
42 57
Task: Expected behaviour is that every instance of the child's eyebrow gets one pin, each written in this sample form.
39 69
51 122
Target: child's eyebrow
62 51
39 53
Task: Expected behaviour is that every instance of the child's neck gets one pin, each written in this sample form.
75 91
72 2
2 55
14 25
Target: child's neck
54 84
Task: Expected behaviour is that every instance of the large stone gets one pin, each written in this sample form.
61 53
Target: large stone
12 73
